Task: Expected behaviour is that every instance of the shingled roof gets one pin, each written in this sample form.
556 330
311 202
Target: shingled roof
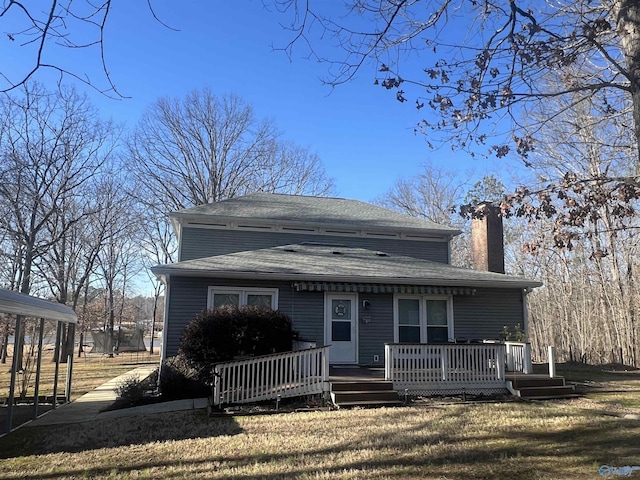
280 209
318 262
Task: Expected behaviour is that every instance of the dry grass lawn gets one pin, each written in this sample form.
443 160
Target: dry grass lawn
568 439
89 372
513 440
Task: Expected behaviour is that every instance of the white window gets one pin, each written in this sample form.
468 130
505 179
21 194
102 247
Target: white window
420 319
238 297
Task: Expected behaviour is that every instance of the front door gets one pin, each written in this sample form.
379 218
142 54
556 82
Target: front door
341 327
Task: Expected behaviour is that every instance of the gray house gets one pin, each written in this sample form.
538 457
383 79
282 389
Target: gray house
349 274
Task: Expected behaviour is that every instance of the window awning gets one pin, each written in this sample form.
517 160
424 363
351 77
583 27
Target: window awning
380 288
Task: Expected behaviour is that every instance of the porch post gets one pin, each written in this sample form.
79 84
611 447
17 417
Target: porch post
552 361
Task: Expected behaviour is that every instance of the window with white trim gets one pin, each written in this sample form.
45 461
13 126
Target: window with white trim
238 297
421 319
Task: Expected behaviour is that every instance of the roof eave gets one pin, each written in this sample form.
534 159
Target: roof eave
164 272
205 219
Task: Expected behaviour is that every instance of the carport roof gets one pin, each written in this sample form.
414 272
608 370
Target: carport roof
29 306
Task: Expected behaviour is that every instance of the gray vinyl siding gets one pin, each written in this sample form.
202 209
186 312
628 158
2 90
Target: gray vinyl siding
188 297
205 242
483 315
377 330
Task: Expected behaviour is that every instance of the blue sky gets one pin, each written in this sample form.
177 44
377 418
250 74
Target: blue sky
363 135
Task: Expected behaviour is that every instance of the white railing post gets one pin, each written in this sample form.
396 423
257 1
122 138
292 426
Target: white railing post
325 369
552 361
443 361
510 356
527 367
500 361
387 361
216 387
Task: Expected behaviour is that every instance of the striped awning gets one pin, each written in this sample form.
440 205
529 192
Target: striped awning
380 288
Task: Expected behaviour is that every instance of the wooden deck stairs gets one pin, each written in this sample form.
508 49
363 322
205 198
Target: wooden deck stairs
361 387
539 387
363 393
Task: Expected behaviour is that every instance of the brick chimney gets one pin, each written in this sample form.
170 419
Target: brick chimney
487 246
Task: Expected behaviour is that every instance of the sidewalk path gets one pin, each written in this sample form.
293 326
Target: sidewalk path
87 407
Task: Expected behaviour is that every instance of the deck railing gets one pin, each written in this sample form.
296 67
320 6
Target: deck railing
446 367
518 357
289 374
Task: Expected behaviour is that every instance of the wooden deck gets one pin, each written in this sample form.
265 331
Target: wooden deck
355 374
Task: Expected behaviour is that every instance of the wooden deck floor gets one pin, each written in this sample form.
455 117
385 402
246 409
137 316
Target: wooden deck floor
355 374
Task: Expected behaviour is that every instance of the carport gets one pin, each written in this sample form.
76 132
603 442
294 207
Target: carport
22 306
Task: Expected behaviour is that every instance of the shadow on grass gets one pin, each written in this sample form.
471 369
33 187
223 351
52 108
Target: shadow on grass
581 372
532 442
115 432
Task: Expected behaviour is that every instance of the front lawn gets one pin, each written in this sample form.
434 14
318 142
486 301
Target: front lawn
455 441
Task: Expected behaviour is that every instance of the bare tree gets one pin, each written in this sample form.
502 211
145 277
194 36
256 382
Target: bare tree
45 33
118 259
204 148
477 68
588 306
478 61
52 145
433 195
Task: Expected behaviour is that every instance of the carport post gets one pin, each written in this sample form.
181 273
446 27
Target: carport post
14 371
36 389
71 337
57 369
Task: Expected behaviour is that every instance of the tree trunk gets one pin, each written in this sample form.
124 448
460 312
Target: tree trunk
627 18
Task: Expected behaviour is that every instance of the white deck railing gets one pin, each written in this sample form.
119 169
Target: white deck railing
289 374
432 367
518 357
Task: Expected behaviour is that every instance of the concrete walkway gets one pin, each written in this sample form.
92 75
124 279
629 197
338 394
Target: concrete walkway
87 407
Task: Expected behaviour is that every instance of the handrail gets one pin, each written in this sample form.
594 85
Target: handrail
450 365
280 375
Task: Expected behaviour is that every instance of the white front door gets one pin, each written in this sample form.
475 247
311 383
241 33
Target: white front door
341 327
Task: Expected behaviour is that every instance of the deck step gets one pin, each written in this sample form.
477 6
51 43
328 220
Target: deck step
523 382
547 392
361 386
364 393
373 403
541 387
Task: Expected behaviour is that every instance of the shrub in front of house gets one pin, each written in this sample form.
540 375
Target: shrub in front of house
228 333
178 380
